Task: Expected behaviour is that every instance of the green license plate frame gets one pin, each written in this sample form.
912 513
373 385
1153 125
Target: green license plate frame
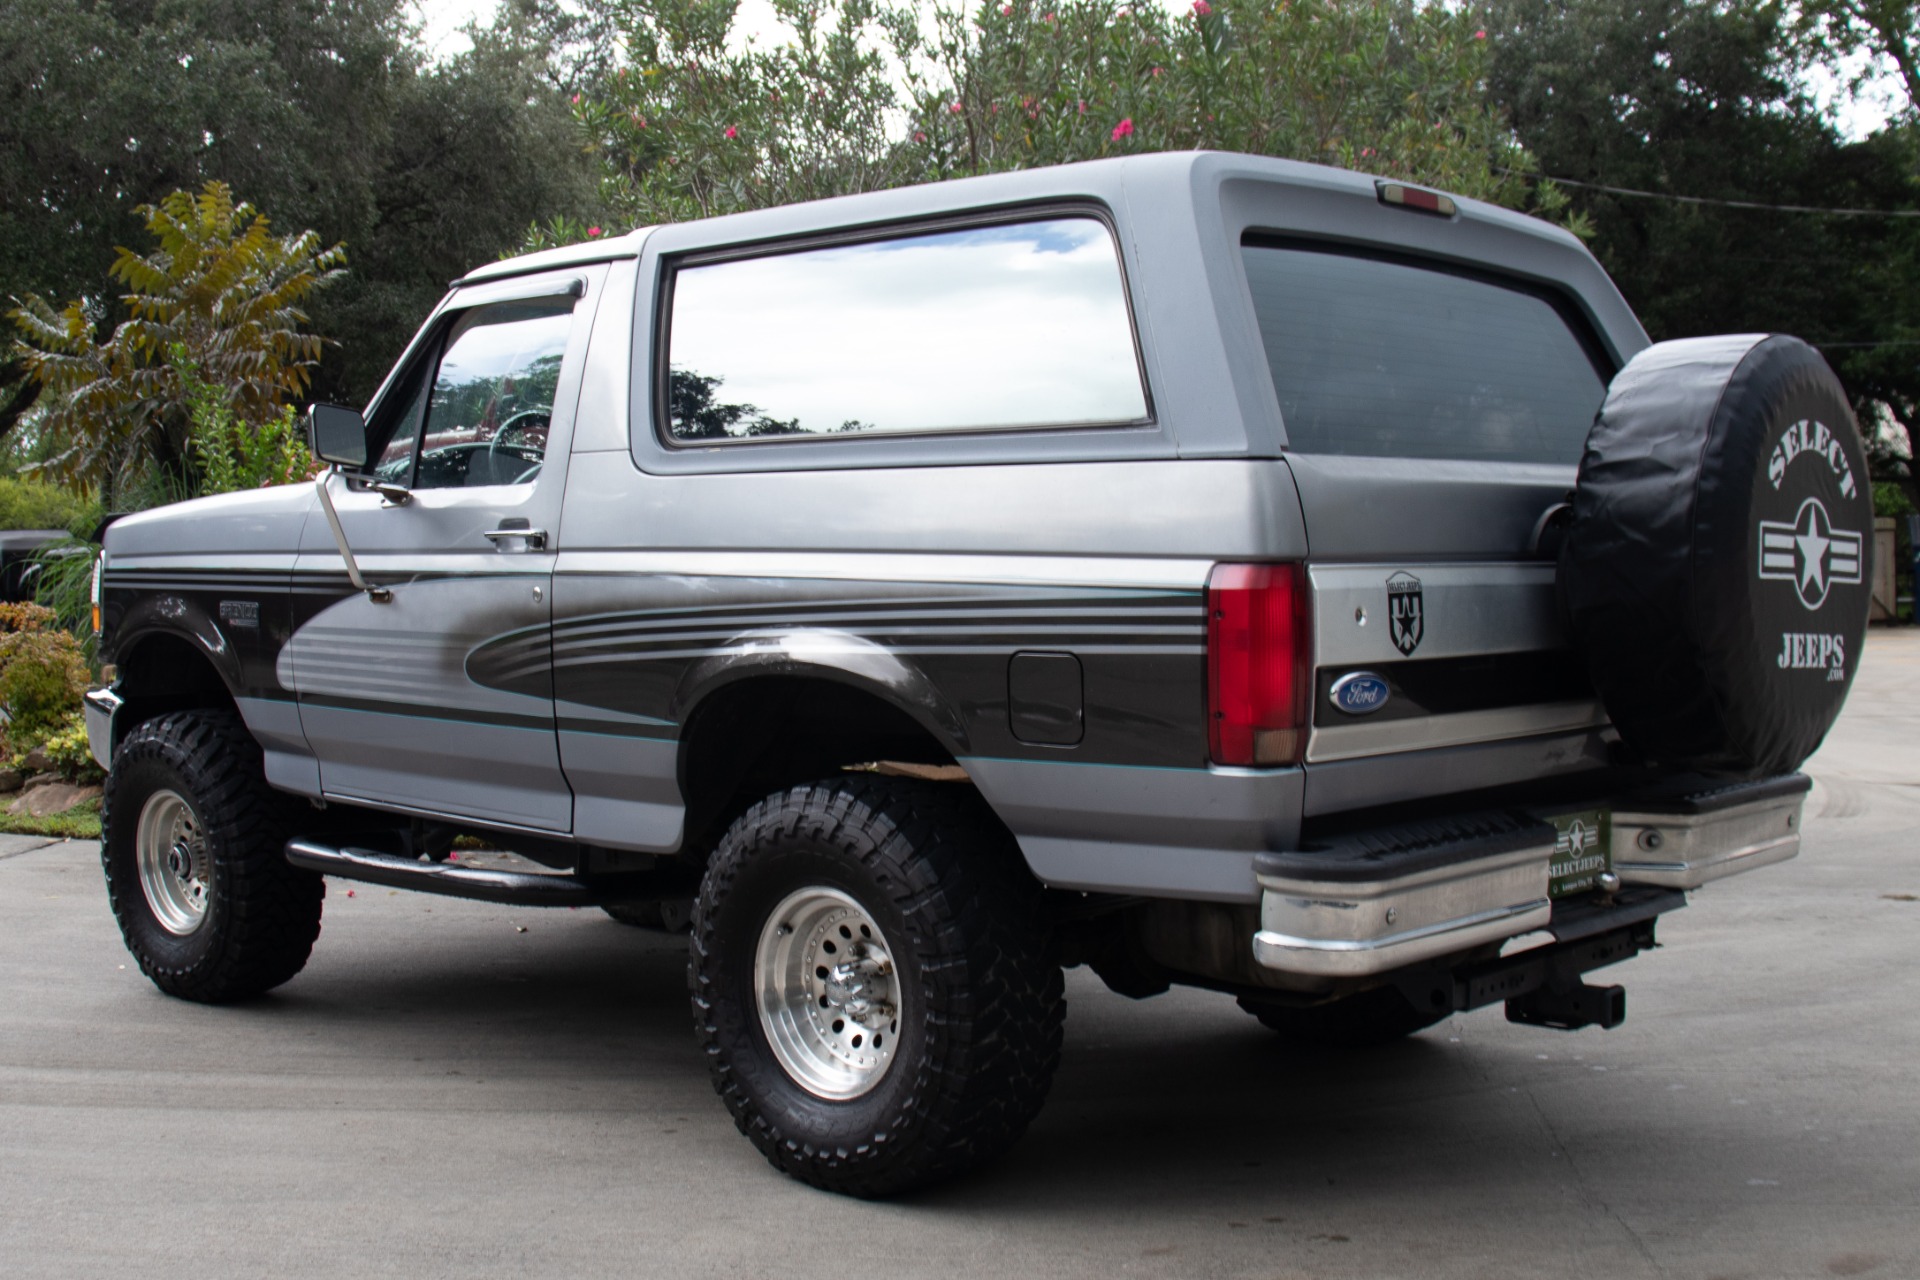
1582 851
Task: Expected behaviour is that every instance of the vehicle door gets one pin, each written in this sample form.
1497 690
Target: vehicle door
432 693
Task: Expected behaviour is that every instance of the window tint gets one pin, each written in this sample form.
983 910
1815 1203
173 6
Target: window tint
488 409
1019 325
1386 359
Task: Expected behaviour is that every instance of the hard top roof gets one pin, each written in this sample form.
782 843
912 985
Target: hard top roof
1180 175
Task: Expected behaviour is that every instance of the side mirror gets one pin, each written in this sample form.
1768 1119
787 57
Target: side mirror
337 435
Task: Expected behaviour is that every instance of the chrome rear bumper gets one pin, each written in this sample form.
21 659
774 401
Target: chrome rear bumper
1382 900
1375 901
1683 841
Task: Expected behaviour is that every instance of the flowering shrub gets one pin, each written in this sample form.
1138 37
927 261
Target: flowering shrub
696 126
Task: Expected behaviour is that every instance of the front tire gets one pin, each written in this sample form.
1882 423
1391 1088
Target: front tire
194 849
873 983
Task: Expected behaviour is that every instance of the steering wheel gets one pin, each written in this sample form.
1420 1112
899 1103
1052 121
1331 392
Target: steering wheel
524 422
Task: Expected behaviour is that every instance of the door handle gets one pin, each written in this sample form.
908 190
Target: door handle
512 531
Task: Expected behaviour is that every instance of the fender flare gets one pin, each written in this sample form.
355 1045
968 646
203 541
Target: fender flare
177 616
837 656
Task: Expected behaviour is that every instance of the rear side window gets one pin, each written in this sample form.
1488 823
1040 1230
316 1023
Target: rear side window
974 328
1384 358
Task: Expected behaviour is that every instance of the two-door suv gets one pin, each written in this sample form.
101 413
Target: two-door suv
1209 569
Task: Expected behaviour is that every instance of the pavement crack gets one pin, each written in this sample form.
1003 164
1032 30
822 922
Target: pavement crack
1587 1189
32 848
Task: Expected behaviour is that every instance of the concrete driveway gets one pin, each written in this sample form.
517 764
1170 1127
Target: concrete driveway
441 1093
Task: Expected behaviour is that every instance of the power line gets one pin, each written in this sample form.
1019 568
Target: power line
1707 200
1890 343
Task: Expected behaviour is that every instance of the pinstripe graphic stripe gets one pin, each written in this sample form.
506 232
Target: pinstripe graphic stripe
1151 623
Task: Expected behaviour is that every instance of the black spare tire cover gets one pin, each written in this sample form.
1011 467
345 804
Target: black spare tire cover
1715 572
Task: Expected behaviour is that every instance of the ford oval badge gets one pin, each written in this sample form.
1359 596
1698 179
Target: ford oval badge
1359 693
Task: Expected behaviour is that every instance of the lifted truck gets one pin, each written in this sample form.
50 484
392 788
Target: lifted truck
1212 570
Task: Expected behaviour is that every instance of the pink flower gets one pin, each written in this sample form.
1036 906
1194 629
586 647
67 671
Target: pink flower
1480 35
576 99
1201 8
592 231
1366 151
1006 11
956 108
1123 129
1049 18
1083 106
1157 72
732 132
919 136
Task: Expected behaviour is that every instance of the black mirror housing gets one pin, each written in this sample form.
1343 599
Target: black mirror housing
337 436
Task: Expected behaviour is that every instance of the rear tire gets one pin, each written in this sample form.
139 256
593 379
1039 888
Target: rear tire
873 983
1364 1021
194 849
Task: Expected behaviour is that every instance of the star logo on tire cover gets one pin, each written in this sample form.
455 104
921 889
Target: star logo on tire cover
1810 553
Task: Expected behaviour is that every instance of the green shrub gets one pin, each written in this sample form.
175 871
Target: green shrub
35 504
68 753
63 584
42 676
27 617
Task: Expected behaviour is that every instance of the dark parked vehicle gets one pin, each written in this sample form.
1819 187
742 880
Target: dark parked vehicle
1208 569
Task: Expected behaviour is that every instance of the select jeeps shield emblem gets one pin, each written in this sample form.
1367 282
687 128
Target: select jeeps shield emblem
1359 693
1405 620
1810 553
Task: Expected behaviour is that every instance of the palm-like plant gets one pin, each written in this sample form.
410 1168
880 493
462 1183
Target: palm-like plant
217 303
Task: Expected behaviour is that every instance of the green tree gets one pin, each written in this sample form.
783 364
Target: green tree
1688 101
1835 30
326 112
1387 86
693 125
213 311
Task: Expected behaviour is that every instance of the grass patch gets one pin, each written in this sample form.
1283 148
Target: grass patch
82 822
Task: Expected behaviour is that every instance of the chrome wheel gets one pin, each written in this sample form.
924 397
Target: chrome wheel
828 996
171 853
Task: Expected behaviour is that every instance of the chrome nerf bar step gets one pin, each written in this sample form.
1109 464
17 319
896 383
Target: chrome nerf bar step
513 888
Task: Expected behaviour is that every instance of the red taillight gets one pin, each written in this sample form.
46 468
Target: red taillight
1259 663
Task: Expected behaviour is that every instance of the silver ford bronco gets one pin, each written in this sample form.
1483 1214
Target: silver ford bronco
1207 569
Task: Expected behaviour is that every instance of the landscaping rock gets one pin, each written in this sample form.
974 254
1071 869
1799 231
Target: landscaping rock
50 798
42 779
10 781
37 761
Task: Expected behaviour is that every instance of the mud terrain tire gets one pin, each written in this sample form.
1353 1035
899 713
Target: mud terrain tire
257 915
1715 574
979 998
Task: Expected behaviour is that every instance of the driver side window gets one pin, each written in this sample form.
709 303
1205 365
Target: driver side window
490 402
